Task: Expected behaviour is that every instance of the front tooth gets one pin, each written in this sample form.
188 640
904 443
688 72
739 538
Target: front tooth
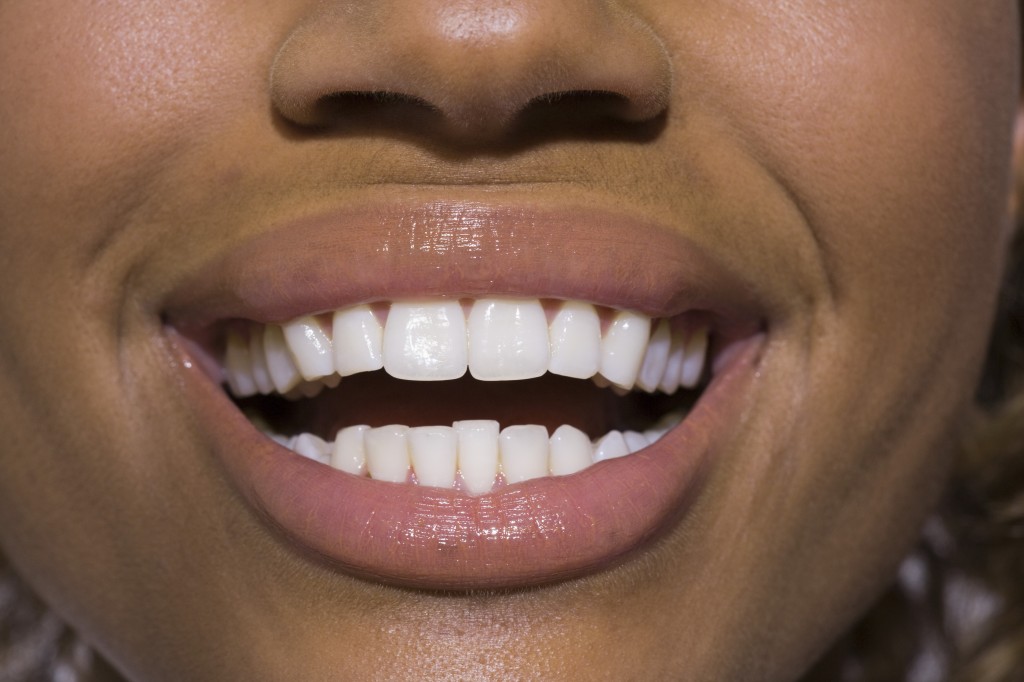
238 367
669 383
612 445
524 452
508 339
693 363
635 441
387 453
623 346
477 454
570 450
313 447
575 336
283 371
434 451
656 358
310 346
358 341
349 451
258 357
425 341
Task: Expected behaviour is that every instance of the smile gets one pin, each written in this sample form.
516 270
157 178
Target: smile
496 340
472 436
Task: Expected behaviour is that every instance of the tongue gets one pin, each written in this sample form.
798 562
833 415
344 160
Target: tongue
377 399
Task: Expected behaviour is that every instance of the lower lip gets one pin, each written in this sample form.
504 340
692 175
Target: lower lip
540 531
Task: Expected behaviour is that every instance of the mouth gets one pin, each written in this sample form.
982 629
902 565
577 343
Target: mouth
473 439
466 394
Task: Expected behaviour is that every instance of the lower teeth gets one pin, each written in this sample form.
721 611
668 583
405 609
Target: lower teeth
473 456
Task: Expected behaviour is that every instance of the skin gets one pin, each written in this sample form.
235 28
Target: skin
857 160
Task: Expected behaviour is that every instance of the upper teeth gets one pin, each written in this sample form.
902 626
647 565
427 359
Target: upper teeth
500 339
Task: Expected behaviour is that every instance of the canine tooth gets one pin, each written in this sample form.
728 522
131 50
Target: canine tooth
669 383
310 346
425 341
358 340
575 336
623 346
433 450
349 453
610 446
387 453
524 452
508 339
477 454
280 363
635 440
238 367
570 450
258 358
312 446
693 362
656 358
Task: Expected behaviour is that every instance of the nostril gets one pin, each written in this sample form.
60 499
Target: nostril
579 60
377 108
597 104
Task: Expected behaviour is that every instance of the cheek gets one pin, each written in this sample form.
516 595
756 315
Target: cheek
877 120
95 97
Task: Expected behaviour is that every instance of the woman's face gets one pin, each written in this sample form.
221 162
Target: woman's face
824 184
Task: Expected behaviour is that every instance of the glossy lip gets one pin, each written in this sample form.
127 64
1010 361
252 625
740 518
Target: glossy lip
397 250
540 531
536 532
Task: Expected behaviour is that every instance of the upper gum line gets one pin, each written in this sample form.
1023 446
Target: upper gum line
494 339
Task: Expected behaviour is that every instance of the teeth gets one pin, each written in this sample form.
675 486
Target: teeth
656 359
313 447
498 340
570 451
358 341
611 446
258 357
238 367
508 339
669 383
310 346
349 452
693 362
474 450
387 453
283 372
635 441
434 450
477 454
575 337
623 346
425 341
524 452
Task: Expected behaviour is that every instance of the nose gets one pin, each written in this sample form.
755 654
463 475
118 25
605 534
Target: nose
478 65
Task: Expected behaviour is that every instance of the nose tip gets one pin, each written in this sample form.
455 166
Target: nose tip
477 65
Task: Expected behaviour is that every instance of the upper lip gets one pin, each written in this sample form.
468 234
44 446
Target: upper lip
388 251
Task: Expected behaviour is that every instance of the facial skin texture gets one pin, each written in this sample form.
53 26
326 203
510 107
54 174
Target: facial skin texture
855 158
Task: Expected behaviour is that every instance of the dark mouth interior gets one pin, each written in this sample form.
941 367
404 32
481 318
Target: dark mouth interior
377 399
